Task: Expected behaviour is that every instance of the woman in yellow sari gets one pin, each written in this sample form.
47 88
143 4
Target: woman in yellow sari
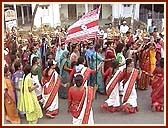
11 113
152 57
28 102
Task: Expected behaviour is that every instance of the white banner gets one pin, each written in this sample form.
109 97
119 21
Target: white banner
86 27
10 24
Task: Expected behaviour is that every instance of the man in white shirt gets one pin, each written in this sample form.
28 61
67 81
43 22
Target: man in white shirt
101 33
33 54
124 28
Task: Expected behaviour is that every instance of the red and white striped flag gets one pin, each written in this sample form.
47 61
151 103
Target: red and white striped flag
86 27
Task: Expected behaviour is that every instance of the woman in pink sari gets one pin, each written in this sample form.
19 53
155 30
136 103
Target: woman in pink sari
50 82
157 85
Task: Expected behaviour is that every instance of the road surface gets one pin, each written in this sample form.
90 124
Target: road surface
144 117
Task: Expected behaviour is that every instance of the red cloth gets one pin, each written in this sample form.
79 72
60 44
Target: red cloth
75 95
7 59
107 74
76 99
129 39
108 55
145 61
157 84
107 65
45 79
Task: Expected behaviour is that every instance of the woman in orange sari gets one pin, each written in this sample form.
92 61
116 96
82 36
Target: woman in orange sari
157 85
9 100
80 102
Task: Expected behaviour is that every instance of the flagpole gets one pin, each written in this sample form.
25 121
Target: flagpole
96 76
96 56
80 48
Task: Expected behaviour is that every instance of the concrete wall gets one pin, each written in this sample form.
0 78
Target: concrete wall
137 8
55 14
50 16
119 10
127 11
37 19
116 10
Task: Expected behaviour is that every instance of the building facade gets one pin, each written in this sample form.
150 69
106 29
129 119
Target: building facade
56 14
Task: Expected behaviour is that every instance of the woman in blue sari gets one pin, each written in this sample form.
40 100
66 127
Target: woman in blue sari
97 77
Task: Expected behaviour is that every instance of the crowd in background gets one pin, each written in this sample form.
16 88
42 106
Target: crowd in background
39 69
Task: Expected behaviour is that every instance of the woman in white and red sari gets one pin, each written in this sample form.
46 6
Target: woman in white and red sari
50 82
157 85
112 104
109 54
129 98
80 102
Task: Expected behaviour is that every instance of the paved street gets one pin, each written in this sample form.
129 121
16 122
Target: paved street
144 116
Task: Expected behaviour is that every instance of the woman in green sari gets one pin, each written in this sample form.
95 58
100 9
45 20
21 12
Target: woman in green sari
28 102
36 77
36 68
65 69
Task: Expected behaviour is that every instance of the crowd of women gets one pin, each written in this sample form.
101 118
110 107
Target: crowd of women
39 71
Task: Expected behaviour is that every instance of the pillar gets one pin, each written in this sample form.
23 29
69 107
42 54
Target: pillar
16 14
86 8
22 14
56 15
28 18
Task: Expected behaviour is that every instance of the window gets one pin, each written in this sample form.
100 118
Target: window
72 12
44 6
126 5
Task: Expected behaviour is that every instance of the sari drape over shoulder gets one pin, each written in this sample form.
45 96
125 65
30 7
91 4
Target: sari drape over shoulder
82 111
157 94
11 113
28 102
50 94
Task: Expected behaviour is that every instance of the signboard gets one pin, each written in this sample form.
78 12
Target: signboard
10 15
